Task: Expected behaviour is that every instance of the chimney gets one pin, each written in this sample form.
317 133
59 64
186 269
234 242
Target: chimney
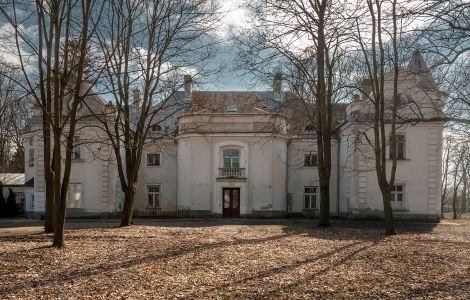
277 86
137 100
188 87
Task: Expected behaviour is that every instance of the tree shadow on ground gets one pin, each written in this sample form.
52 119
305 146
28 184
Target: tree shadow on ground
71 275
356 238
354 247
208 222
459 286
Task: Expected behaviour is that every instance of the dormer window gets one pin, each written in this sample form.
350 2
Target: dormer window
309 127
232 108
309 132
155 128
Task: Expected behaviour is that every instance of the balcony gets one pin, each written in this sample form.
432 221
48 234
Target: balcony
231 172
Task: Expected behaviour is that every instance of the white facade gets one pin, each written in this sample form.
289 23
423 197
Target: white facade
232 161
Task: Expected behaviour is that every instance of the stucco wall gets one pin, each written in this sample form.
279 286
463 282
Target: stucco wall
199 160
300 176
95 170
420 172
163 175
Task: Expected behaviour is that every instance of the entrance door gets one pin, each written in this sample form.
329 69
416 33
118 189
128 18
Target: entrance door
231 201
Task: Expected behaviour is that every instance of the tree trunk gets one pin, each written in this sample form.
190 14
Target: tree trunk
60 203
127 210
59 214
323 122
454 204
324 203
388 213
49 220
48 178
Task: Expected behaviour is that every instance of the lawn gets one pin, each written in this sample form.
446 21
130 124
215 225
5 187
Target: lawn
236 259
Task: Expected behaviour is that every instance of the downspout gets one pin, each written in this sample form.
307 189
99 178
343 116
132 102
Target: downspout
338 151
176 174
287 178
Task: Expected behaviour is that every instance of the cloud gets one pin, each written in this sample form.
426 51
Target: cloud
9 50
235 16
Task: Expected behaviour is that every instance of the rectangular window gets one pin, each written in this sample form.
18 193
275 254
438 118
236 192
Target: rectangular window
32 201
401 147
153 159
310 197
398 196
310 160
231 158
77 151
74 195
153 195
31 158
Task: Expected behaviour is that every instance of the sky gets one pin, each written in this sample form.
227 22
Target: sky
234 19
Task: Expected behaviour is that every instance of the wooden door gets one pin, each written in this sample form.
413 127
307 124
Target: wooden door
231 202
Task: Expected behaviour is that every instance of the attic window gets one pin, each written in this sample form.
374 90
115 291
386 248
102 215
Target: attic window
309 132
232 108
155 128
309 127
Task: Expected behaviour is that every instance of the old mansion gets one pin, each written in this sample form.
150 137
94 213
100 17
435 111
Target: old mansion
254 154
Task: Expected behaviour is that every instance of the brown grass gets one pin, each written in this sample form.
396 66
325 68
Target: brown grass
213 259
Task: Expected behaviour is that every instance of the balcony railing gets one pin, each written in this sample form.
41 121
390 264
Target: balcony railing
232 172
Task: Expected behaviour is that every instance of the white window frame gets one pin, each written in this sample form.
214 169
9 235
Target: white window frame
147 161
312 196
31 157
404 147
75 191
159 193
310 155
77 149
231 158
398 205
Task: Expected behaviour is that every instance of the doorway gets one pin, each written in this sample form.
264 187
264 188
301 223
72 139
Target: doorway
231 202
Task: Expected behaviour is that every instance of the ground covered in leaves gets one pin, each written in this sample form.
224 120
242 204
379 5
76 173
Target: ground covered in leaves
236 259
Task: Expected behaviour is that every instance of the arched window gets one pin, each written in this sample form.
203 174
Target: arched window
156 128
309 132
309 127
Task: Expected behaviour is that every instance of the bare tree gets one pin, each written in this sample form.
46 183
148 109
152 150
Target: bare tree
445 173
308 40
148 44
56 84
457 180
14 108
381 19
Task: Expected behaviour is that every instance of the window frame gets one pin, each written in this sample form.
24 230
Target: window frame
403 142
310 195
159 193
75 184
394 197
311 164
77 149
147 162
31 157
232 164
